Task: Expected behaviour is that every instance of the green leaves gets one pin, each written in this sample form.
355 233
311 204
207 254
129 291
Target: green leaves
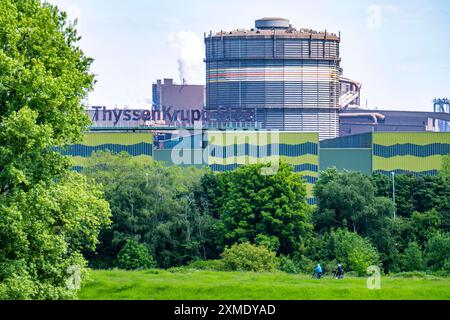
247 257
347 199
26 157
135 256
438 252
41 67
49 225
262 208
363 205
412 258
446 166
154 204
353 251
48 214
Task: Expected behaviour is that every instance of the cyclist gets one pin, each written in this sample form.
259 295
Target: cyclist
318 271
339 273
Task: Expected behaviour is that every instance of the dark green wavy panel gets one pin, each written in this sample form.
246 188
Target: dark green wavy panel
80 150
299 168
401 171
411 149
286 150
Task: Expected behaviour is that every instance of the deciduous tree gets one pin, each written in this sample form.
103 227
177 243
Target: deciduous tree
263 209
48 214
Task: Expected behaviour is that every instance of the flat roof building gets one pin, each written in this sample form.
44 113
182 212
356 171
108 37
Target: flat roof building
182 96
357 121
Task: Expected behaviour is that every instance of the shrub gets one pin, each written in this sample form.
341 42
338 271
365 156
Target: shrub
247 257
17 288
288 265
412 259
446 267
296 264
353 251
134 256
438 252
182 232
305 264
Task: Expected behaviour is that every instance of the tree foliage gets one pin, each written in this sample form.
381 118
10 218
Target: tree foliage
41 67
153 204
418 194
445 171
437 252
422 205
353 251
412 258
347 199
48 214
262 209
248 257
134 255
178 212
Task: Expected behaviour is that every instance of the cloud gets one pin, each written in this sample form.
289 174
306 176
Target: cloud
189 47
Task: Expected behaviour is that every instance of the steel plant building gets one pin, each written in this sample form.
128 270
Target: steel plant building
291 77
415 153
356 121
182 96
293 82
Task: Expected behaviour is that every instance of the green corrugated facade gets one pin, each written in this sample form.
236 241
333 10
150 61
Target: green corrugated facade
416 153
400 152
346 159
228 150
139 145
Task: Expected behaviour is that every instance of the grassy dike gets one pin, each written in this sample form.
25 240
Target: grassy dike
208 285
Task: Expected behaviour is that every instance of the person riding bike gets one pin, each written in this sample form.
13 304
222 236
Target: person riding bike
318 271
339 273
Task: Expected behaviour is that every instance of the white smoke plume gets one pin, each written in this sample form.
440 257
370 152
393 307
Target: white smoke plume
190 53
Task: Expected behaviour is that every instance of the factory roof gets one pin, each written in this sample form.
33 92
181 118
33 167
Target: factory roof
282 33
278 27
402 113
272 19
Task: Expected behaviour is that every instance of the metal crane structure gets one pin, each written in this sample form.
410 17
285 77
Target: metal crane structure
442 106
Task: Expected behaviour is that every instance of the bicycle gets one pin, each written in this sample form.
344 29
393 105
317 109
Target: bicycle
317 275
337 275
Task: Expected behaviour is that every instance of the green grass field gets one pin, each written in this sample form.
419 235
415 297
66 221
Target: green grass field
207 285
